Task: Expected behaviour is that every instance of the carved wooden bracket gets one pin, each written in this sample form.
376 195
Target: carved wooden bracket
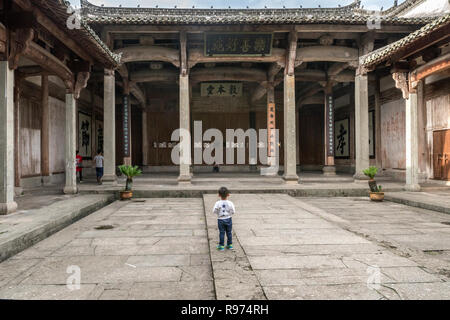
80 83
20 43
401 82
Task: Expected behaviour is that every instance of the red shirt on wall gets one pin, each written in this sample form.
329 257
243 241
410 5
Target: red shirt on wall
79 160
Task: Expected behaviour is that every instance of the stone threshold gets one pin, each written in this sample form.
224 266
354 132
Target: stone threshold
23 229
423 200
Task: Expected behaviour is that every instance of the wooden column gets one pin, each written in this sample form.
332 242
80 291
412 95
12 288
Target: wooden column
109 126
70 144
290 153
378 156
45 131
329 169
185 141
17 159
412 142
7 203
361 126
185 92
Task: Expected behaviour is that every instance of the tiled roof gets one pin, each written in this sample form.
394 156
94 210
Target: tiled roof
85 36
402 8
351 14
386 52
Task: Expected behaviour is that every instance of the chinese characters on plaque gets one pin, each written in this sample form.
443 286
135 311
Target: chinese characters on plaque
84 135
342 138
330 125
99 128
371 134
225 89
271 130
230 44
126 131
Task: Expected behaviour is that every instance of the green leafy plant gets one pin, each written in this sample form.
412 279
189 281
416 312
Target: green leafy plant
380 189
130 172
370 172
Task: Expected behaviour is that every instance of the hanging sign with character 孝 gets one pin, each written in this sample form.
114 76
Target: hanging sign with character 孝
221 89
241 44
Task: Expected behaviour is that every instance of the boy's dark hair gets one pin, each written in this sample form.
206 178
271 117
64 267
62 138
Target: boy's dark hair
224 192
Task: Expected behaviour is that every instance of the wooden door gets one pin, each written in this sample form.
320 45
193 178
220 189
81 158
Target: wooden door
311 135
441 154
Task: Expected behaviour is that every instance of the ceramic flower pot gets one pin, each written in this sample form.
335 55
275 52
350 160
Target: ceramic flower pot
126 195
377 196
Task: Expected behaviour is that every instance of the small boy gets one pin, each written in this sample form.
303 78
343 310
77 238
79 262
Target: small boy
99 166
224 210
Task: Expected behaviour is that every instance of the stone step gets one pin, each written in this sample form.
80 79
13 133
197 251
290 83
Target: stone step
23 229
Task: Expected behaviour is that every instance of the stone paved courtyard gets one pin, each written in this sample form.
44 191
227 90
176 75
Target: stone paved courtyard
286 248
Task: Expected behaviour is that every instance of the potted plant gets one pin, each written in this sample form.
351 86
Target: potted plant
377 196
375 191
129 172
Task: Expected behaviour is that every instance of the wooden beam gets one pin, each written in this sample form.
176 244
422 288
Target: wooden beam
228 74
197 56
337 68
163 75
437 65
314 99
150 53
136 91
50 63
327 53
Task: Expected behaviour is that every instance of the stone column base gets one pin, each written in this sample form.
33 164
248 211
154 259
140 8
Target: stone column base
70 190
110 179
184 179
412 187
329 170
46 180
18 191
292 179
360 177
7 208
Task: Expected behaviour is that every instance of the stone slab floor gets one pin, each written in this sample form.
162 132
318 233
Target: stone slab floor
286 248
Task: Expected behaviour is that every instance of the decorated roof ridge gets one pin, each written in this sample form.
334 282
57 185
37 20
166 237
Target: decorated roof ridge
401 8
350 14
385 52
93 9
59 11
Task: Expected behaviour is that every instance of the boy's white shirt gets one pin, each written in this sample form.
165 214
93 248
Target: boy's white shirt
224 209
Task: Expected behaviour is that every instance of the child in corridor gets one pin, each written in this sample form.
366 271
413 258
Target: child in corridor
224 209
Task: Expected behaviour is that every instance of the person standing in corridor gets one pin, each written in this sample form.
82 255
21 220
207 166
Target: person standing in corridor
99 161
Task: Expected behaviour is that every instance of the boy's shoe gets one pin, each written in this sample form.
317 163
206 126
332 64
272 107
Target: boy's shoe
230 247
220 248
